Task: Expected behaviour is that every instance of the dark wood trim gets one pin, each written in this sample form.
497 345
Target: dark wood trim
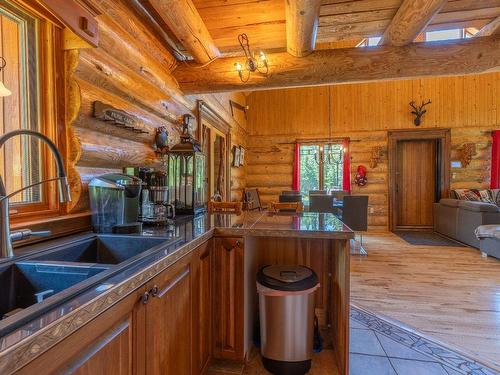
205 111
212 117
444 138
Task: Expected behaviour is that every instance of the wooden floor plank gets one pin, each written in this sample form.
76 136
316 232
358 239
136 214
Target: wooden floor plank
451 294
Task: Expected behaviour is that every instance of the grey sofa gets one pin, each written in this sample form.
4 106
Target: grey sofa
458 219
489 237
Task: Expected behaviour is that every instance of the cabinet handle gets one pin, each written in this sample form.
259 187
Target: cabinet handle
230 248
145 297
154 291
170 284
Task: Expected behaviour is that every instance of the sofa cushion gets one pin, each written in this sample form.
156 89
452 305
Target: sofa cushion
467 195
449 202
478 206
485 195
495 196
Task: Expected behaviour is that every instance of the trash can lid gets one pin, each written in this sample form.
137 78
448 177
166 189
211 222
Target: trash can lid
287 277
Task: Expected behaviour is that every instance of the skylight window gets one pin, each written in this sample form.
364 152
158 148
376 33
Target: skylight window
370 42
428 36
432 36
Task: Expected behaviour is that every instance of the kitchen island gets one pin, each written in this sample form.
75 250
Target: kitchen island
187 300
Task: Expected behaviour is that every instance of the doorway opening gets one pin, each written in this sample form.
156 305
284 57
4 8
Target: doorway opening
419 175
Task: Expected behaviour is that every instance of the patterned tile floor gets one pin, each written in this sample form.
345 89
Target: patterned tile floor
379 347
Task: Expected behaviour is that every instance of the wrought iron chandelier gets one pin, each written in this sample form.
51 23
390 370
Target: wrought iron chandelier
332 156
252 64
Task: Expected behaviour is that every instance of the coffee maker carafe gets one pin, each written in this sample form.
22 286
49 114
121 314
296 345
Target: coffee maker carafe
114 200
155 205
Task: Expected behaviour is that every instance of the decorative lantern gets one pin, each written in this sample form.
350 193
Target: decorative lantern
187 173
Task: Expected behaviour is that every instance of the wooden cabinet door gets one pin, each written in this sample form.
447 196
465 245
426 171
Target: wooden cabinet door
228 289
106 345
202 307
168 320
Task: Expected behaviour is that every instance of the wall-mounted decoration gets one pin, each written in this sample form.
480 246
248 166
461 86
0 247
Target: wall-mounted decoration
236 105
236 156
467 151
419 111
376 156
161 141
360 178
117 117
242 155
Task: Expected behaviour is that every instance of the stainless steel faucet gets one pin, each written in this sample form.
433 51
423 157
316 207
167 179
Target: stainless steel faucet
6 237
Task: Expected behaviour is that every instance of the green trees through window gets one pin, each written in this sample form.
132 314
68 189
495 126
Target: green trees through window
321 167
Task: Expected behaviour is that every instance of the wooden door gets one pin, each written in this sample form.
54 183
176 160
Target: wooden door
109 344
228 289
416 183
202 307
168 322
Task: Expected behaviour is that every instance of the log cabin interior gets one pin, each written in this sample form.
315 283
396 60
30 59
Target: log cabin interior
250 187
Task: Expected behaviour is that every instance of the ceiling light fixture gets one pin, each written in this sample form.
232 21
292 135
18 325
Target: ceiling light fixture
253 64
4 91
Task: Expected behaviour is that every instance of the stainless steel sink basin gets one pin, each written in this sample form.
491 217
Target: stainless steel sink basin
102 249
27 283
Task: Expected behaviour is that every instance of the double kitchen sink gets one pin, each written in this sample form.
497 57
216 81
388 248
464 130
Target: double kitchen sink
33 283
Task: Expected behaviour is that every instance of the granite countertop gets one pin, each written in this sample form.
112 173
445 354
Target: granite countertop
20 343
267 224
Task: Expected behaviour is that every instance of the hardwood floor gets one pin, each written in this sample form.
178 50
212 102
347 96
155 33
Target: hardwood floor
450 294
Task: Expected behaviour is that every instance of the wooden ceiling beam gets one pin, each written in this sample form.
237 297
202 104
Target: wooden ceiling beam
183 19
410 20
349 65
302 18
493 28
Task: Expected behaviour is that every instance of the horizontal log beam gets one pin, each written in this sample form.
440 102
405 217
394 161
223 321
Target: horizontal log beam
410 20
350 65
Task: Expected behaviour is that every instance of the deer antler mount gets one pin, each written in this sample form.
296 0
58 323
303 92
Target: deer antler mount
419 111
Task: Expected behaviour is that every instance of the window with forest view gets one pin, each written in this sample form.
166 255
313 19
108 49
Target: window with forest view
20 159
321 167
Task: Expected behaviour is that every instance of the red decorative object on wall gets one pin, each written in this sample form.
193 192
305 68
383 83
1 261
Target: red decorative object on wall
361 179
296 168
346 173
495 160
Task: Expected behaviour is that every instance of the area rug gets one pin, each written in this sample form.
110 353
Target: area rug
383 347
426 239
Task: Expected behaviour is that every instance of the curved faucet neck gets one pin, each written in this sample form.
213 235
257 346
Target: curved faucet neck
57 155
6 237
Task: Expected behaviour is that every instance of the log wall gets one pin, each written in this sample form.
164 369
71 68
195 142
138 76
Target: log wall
468 105
134 77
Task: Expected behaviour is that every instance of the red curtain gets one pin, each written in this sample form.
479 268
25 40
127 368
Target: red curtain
495 160
296 168
346 173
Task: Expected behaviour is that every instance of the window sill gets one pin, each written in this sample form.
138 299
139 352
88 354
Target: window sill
58 225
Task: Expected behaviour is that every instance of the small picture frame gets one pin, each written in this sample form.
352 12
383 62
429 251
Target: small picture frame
236 156
242 155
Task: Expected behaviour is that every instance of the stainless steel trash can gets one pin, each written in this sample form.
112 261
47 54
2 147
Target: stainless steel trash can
286 308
